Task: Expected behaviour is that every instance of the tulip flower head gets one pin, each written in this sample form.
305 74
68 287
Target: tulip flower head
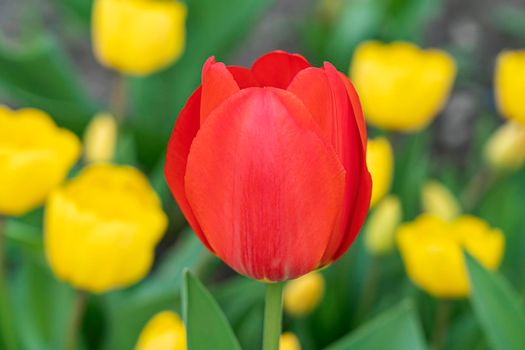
138 37
439 201
432 250
100 138
380 161
505 149
165 331
289 341
402 87
510 84
102 227
303 295
382 226
268 165
35 157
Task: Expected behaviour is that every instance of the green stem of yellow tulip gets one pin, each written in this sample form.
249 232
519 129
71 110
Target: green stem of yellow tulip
477 188
273 312
443 311
75 321
6 321
368 292
119 97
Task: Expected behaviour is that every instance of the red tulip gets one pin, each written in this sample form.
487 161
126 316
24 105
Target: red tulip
268 165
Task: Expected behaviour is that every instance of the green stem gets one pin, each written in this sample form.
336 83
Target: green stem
76 321
369 290
6 321
439 334
273 316
119 98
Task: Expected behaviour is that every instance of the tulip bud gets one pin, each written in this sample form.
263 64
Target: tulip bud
165 331
505 150
35 157
509 84
439 201
303 295
255 152
100 138
289 341
402 87
380 161
432 251
382 225
138 37
102 227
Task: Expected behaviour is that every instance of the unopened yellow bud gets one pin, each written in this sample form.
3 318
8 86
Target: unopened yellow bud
100 138
289 341
439 201
303 295
138 37
101 228
505 150
432 251
380 162
401 87
165 331
35 157
509 84
382 226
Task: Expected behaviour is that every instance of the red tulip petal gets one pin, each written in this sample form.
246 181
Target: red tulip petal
356 105
243 76
278 68
179 145
217 85
325 95
264 185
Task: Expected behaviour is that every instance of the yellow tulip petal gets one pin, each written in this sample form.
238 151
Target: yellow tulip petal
100 138
438 200
289 341
509 80
303 295
380 162
165 331
505 149
382 225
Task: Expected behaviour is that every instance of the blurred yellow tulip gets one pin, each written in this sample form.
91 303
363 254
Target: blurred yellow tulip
402 87
439 201
382 225
510 84
432 250
380 161
303 295
165 331
289 341
100 138
505 149
138 37
102 227
35 157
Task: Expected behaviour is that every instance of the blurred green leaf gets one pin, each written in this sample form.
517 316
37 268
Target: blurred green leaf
510 20
40 75
42 305
212 30
396 329
128 311
497 307
206 325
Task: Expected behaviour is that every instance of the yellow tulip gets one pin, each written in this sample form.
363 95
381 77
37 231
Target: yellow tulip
100 138
510 84
303 295
402 87
505 150
165 331
380 161
439 201
35 157
138 37
432 251
101 228
382 225
289 341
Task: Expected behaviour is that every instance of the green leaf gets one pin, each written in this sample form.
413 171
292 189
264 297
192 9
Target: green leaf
40 75
206 325
128 311
497 307
396 329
